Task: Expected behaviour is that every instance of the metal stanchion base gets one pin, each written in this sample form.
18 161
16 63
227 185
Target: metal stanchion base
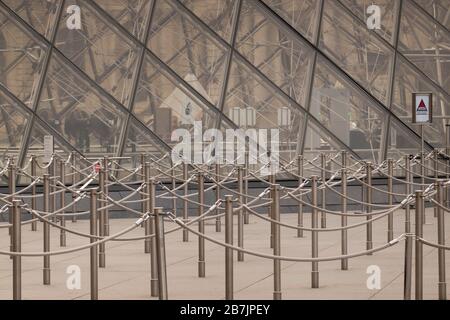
46 276
442 290
154 288
201 269
314 279
276 295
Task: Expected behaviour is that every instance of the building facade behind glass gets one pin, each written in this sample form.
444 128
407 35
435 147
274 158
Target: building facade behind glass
133 71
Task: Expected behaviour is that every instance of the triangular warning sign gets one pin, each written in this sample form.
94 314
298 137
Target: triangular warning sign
422 106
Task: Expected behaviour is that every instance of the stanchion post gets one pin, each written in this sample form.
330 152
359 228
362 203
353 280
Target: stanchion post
33 193
408 181
62 203
300 205
277 243
101 218
185 203
12 190
174 185
93 249
390 189
151 224
201 226
147 206
229 281
240 213
436 172
46 229
15 213
245 198
53 177
408 267
314 234
442 285
74 180
344 235
161 253
420 207
323 217
369 235
272 180
217 172
105 168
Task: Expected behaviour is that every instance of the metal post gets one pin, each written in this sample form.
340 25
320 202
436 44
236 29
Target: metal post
436 172
74 180
369 244
12 190
245 198
240 214
33 193
408 179
142 175
390 231
277 244
105 225
422 173
344 235
185 203
101 218
228 251
300 205
201 226
270 209
94 249
147 206
408 267
150 229
161 254
314 234
62 203
46 229
15 214
420 207
442 286
174 185
323 219
218 223
53 174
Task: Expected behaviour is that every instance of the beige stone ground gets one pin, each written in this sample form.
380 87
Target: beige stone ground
126 275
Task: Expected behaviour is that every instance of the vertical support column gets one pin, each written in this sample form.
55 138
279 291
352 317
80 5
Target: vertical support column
93 249
15 214
46 229
101 220
62 203
185 203
33 193
344 235
150 229
240 213
228 251
277 243
12 190
369 235
136 179
217 171
105 225
300 205
408 267
74 180
408 179
442 286
147 206
201 226
53 177
420 207
161 254
314 234
245 198
390 169
323 217
272 180
436 172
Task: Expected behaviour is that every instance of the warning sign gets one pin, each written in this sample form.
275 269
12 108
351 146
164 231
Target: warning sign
422 108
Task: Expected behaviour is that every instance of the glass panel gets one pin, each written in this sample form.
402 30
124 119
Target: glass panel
164 106
101 52
389 10
351 115
132 14
425 44
217 14
439 9
21 60
408 81
13 121
284 61
401 141
79 113
40 14
301 15
251 104
187 50
355 49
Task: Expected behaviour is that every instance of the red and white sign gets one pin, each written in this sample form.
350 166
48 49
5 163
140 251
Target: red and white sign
422 108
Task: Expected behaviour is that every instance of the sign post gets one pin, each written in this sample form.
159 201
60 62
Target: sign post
422 111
